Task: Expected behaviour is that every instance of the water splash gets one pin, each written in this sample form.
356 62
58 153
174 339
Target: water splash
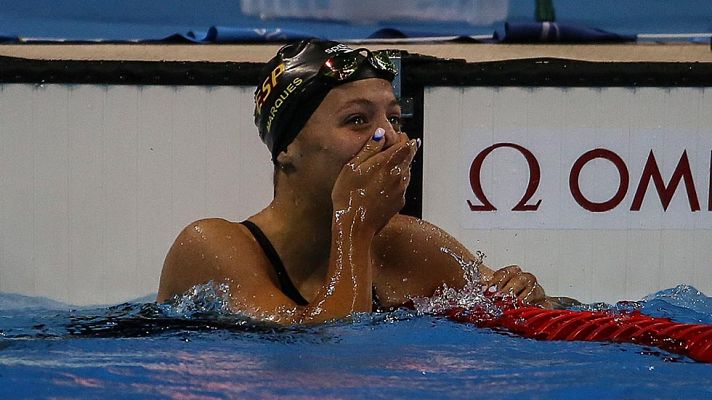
208 298
682 303
472 295
203 307
200 314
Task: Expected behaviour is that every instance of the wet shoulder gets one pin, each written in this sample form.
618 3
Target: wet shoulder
221 238
206 250
214 234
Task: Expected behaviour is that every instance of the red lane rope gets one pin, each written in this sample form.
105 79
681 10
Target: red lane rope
691 340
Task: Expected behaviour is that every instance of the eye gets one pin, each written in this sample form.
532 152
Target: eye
396 122
356 119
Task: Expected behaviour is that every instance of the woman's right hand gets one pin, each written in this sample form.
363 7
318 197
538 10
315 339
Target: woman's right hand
375 180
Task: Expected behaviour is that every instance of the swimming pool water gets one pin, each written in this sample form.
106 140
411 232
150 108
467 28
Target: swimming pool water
141 350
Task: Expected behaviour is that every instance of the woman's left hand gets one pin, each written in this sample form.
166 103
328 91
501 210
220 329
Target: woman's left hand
513 280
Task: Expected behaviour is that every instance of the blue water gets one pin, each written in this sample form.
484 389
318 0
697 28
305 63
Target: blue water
195 349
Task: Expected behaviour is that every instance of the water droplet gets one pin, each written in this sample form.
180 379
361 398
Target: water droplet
396 170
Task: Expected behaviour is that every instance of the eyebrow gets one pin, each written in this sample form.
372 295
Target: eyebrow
367 103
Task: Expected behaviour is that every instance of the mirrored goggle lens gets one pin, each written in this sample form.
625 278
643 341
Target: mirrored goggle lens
380 60
340 68
344 65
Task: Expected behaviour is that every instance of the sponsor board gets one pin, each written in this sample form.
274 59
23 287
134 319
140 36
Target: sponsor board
591 158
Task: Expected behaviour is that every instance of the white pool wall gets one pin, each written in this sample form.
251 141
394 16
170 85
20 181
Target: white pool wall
98 180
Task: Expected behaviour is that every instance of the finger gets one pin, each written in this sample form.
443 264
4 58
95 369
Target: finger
549 303
405 164
404 180
503 272
403 154
414 147
486 273
534 295
386 154
394 139
398 165
371 147
384 159
503 275
519 284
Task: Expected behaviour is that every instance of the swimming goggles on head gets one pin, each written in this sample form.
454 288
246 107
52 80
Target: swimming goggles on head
343 66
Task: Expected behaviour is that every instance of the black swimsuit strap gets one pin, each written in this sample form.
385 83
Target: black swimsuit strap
285 283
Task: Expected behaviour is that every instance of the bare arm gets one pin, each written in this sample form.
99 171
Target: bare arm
365 197
223 252
226 253
417 258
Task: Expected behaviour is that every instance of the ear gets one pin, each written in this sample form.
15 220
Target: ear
285 160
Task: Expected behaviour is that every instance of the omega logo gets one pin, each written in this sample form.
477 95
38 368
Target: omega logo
651 172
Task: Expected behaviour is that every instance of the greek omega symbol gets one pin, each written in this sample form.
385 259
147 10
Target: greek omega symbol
651 175
476 180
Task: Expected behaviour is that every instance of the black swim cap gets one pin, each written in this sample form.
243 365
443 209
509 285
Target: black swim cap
297 79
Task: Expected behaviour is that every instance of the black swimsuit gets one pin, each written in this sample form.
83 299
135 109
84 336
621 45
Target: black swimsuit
285 283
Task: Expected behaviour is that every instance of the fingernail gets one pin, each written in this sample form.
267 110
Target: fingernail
378 135
492 288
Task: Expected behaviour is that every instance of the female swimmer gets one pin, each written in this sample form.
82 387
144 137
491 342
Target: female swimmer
332 241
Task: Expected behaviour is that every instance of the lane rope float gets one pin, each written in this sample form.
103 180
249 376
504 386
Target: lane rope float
691 340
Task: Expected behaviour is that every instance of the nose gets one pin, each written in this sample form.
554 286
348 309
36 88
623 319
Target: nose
392 136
